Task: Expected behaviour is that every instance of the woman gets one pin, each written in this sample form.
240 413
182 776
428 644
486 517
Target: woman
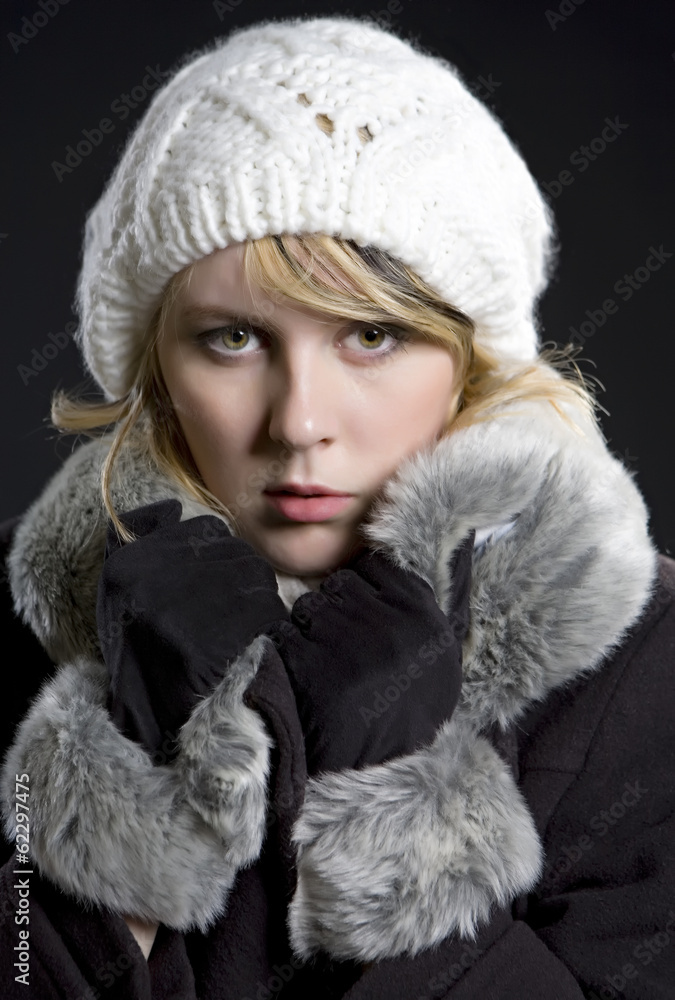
388 739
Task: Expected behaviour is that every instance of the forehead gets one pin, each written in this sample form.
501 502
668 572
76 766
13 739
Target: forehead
217 289
220 279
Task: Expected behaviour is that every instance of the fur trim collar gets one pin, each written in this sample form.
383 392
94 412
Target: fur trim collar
391 858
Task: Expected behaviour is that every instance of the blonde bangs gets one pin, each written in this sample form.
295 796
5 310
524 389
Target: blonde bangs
341 279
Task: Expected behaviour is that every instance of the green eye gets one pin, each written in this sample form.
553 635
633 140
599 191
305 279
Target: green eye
374 336
234 338
229 340
371 335
240 338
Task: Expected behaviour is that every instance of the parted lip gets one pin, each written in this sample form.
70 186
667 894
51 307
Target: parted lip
308 489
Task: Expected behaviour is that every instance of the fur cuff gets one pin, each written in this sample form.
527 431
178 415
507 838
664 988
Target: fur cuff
161 843
394 858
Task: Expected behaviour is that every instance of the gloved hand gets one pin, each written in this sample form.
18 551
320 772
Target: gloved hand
174 608
374 663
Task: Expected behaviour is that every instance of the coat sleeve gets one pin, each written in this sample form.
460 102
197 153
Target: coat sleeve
111 825
440 888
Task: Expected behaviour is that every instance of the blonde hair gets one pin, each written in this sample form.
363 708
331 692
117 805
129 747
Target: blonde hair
337 277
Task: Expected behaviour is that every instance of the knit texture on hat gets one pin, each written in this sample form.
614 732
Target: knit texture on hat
232 149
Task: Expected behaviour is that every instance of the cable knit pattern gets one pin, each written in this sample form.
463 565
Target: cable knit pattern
327 125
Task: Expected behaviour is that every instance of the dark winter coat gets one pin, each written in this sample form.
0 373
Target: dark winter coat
539 819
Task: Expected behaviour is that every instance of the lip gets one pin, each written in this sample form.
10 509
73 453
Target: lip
303 508
307 489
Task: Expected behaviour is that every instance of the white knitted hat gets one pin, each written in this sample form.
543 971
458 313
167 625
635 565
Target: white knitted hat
230 149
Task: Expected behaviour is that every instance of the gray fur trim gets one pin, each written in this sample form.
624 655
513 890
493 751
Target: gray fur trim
57 554
390 858
224 759
552 596
161 843
394 858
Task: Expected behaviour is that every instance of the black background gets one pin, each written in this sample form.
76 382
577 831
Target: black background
553 82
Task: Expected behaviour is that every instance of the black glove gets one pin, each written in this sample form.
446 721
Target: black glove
374 663
174 608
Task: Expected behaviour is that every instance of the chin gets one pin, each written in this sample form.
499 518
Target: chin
309 556
303 568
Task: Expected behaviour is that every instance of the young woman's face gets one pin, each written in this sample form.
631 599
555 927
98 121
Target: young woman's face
270 393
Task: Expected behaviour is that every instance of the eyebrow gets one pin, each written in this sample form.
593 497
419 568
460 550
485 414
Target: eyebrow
219 314
211 312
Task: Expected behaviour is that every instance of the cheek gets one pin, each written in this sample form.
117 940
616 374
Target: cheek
420 397
215 420
214 440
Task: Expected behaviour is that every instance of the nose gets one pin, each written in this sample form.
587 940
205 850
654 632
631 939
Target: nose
304 395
